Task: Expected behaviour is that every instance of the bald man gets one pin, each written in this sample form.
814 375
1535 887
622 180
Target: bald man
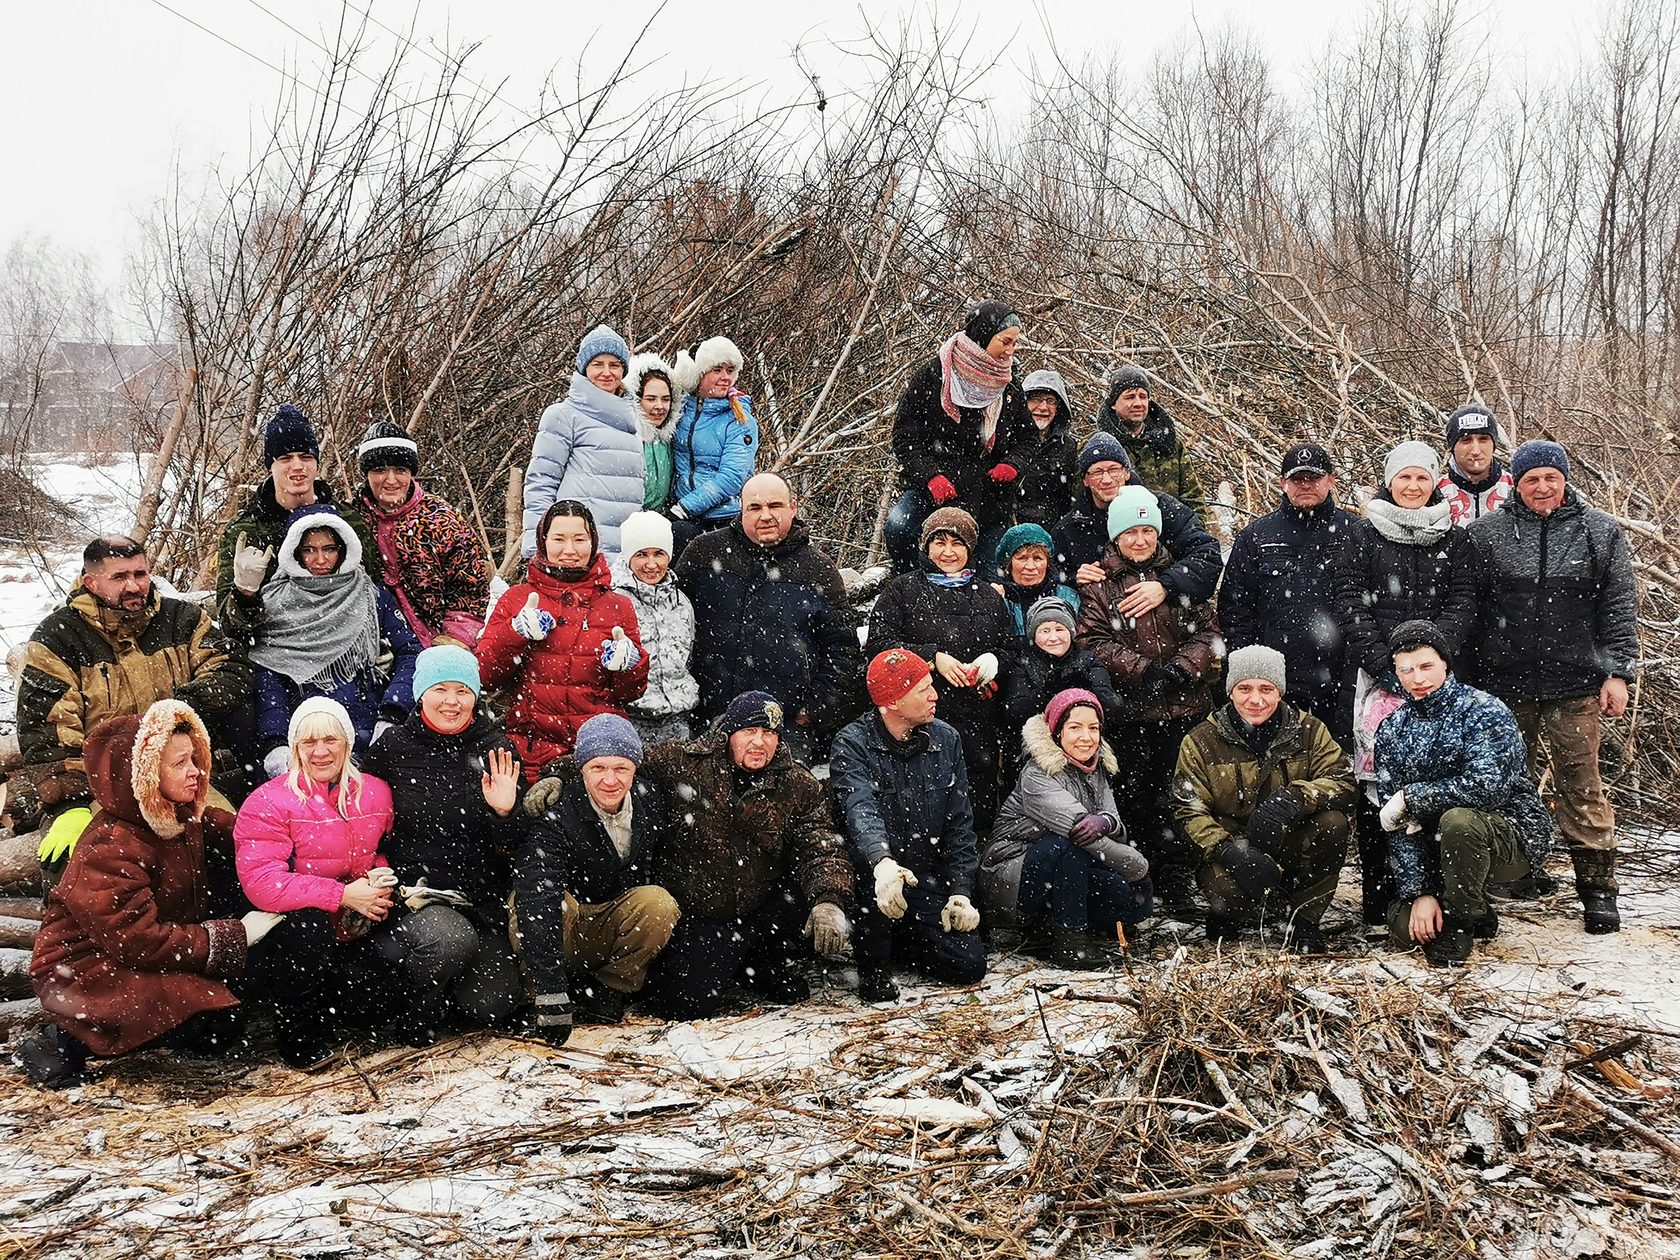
771 614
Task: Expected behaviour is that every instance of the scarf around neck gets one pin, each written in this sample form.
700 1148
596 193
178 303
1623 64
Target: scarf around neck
1410 527
319 631
969 377
950 581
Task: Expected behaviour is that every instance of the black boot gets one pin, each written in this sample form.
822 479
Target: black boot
1595 884
1486 927
595 1003
1452 947
52 1058
1221 930
1306 939
304 1037
875 984
1075 951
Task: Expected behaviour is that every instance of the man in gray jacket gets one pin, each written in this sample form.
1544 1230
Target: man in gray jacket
1558 642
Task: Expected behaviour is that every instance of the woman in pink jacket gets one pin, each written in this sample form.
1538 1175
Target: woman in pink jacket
307 846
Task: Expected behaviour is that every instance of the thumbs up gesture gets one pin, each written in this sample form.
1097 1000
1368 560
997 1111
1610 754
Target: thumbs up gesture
619 652
532 622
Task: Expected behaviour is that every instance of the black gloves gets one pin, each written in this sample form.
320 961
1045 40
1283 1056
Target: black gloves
1256 874
1273 817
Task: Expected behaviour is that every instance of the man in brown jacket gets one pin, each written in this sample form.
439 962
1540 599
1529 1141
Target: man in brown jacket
754 863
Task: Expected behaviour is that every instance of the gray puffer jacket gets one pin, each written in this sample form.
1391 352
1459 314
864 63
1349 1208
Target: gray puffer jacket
666 620
588 447
1050 796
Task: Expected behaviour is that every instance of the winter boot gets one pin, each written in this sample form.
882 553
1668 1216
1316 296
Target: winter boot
1221 930
875 984
780 985
1451 948
1530 887
1075 951
1595 884
1486 928
598 1004
1306 939
52 1058
304 1037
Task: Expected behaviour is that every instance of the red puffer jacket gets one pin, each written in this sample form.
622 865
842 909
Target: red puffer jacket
561 679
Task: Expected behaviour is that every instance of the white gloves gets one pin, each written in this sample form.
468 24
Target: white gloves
532 622
987 664
890 879
382 877
619 653
418 896
277 762
827 929
959 915
258 924
1394 813
379 728
250 566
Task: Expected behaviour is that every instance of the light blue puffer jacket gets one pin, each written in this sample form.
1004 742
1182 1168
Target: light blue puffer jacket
588 447
715 454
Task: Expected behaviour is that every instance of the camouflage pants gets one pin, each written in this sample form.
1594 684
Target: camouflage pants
1572 734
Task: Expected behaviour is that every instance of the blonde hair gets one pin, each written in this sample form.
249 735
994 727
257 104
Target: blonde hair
320 726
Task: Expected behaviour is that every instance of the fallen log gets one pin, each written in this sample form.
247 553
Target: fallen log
18 863
14 973
18 933
21 908
20 1014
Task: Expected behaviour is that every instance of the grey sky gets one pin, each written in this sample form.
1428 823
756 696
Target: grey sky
100 96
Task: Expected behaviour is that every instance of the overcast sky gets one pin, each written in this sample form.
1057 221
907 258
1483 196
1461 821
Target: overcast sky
99 97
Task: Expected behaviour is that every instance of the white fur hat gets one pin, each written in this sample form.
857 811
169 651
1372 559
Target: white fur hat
640 366
644 529
710 353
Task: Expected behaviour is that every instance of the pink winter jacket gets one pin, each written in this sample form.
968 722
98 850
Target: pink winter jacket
298 853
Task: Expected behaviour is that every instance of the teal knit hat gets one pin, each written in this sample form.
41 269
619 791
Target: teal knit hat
1018 536
446 663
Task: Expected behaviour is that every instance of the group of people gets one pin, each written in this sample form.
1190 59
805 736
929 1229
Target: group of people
356 787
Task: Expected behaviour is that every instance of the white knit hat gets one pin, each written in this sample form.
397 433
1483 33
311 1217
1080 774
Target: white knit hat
326 706
1412 455
640 530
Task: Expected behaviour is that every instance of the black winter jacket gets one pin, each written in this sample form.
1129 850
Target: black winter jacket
1082 537
1038 676
1280 591
1045 460
1381 583
1563 608
929 444
771 618
965 621
444 832
568 849
907 800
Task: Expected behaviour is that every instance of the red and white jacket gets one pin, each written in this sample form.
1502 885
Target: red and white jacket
1470 505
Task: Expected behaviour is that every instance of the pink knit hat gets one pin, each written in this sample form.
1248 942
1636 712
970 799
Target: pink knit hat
1062 701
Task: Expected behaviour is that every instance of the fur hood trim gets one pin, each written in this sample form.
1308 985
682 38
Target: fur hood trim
710 353
156 727
1047 754
640 366
327 518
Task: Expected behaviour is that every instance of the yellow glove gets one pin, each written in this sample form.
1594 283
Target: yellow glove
58 842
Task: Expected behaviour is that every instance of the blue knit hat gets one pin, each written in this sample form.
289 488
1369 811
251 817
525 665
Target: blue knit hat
446 662
1024 535
1102 448
1539 453
603 340
288 433
607 735
753 708
1132 507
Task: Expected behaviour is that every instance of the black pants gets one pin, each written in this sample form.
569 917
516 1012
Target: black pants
316 982
705 954
918 939
1148 754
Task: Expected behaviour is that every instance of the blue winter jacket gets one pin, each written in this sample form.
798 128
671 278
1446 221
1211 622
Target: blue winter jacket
1456 748
907 800
368 697
588 447
714 455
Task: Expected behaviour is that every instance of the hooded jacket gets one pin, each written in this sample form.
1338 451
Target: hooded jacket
657 455
735 845
1170 633
1045 458
928 443
1157 452
88 662
442 830
1219 779
1455 748
714 450
905 799
561 681
1037 677
1562 607
666 619
588 447
1280 591
262 522
434 565
126 950
772 618
1082 537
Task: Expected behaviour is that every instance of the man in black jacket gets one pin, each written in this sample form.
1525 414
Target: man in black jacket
1280 588
589 915
1082 535
771 614
1559 644
901 796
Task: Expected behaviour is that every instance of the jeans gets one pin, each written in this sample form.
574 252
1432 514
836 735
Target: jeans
918 938
1066 889
444 957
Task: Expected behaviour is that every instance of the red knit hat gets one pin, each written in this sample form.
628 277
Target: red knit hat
893 673
1072 698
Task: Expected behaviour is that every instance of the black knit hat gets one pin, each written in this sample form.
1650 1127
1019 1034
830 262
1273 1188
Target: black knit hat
387 445
289 433
986 320
750 709
1408 636
1470 418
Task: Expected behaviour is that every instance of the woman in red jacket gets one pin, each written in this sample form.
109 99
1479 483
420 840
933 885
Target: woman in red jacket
569 639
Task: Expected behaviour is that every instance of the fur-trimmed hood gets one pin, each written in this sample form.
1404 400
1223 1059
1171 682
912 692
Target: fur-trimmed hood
317 516
1039 744
640 366
123 757
710 353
